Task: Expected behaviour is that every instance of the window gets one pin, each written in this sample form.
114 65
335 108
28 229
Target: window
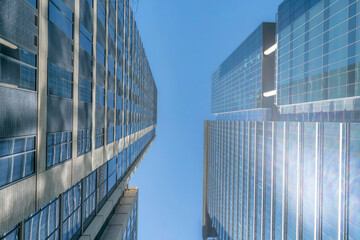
90 2
18 67
89 197
118 132
61 16
12 234
110 134
44 224
17 159
111 100
112 173
112 30
101 12
85 90
71 212
33 3
120 165
99 137
84 141
100 54
60 81
111 65
58 148
100 96
85 39
101 175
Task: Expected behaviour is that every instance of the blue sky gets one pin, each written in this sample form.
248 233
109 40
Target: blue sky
185 40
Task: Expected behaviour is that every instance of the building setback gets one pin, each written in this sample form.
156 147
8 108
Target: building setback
294 175
78 111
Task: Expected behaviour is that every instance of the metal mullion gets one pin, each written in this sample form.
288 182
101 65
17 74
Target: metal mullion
263 176
11 170
347 181
300 150
255 179
318 217
273 178
284 178
248 129
17 154
61 207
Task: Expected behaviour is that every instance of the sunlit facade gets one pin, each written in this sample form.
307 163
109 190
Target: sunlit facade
78 111
294 175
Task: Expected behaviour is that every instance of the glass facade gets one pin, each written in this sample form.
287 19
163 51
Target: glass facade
317 57
300 192
236 83
294 166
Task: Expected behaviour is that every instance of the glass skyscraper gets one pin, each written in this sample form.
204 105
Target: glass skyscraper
294 174
78 111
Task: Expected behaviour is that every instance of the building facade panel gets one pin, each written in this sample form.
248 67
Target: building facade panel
57 123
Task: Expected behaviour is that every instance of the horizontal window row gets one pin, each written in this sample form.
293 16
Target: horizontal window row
94 189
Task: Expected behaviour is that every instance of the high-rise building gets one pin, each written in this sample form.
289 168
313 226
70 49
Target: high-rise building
294 175
78 111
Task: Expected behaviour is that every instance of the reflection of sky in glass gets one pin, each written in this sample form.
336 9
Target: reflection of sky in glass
309 168
330 180
278 179
354 182
291 169
268 166
259 167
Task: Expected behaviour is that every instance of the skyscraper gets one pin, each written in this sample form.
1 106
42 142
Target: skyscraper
294 174
78 111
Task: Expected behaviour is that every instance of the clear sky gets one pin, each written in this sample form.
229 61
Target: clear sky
185 40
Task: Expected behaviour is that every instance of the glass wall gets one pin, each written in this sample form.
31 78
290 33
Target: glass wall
236 83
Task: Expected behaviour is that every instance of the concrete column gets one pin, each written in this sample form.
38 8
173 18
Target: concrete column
105 157
93 114
42 92
75 84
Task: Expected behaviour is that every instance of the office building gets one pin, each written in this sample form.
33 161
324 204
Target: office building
294 175
238 84
78 111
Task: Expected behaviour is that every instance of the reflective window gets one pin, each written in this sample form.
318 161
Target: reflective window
101 174
111 65
85 90
12 234
112 172
71 212
101 12
330 180
89 196
59 148
100 96
354 182
111 100
44 224
18 68
112 30
84 141
60 81
100 54
61 16
110 134
99 137
85 39
17 159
